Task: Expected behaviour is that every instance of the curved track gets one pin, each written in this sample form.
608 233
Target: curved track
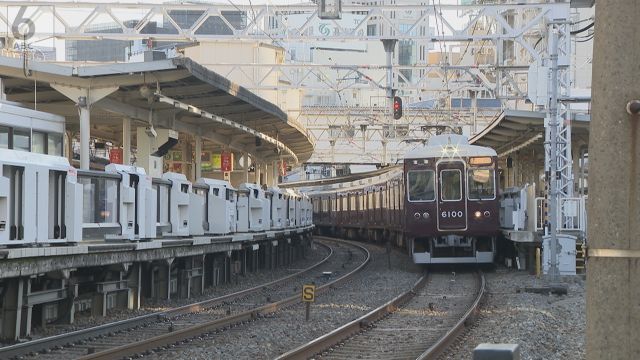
98 339
418 324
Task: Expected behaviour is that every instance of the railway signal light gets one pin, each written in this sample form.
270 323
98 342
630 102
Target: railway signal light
397 107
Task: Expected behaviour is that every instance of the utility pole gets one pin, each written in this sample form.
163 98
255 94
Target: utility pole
613 281
389 47
552 171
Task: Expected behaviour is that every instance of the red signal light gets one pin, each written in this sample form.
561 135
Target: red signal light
397 107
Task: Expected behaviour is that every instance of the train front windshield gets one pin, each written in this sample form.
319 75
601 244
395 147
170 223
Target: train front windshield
481 184
421 185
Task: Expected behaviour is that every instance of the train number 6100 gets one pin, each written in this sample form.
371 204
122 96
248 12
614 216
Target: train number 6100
451 214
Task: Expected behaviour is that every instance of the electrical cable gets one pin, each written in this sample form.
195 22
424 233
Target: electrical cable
585 40
583 29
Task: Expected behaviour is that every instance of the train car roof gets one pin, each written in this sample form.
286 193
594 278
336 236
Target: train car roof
448 145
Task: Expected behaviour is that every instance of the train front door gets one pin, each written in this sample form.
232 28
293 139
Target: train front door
452 209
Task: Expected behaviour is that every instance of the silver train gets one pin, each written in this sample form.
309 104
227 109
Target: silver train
46 201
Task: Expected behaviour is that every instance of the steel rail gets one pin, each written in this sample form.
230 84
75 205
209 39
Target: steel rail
61 340
328 340
219 324
445 341
316 346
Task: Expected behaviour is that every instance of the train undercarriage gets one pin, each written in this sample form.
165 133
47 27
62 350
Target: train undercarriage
453 249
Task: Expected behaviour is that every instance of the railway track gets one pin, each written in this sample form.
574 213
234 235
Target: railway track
142 334
418 324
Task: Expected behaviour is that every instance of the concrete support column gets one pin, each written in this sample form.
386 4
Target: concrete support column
169 263
202 266
163 282
198 159
68 149
85 126
257 173
84 97
613 287
69 305
227 267
255 255
273 255
276 173
135 284
3 95
244 262
12 309
126 140
245 166
99 305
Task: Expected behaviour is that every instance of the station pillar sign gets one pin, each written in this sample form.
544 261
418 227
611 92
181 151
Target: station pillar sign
226 161
115 156
282 167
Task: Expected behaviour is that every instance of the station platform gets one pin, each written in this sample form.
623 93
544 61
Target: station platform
32 261
99 235
518 137
44 285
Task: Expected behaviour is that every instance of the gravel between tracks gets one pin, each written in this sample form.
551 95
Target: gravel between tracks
268 338
547 327
244 282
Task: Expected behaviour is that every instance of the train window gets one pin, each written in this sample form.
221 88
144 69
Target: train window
450 187
4 137
421 185
481 184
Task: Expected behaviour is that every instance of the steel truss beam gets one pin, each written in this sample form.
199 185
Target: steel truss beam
356 135
76 20
510 41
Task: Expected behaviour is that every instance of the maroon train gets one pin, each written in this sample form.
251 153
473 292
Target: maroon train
442 205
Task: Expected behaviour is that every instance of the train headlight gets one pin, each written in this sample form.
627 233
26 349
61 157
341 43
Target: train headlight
487 214
425 215
417 216
477 214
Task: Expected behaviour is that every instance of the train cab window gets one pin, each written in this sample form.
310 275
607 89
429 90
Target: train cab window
216 192
481 184
421 185
230 195
450 185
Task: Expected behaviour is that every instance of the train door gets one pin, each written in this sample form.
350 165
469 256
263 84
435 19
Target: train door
452 209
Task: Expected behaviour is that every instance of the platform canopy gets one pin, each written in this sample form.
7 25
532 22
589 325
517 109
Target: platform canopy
513 130
131 90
